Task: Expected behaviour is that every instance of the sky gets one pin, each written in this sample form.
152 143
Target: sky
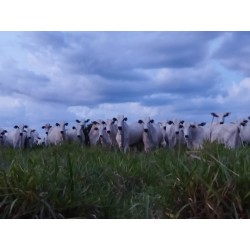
54 76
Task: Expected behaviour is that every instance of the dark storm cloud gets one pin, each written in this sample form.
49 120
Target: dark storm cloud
117 54
234 52
97 72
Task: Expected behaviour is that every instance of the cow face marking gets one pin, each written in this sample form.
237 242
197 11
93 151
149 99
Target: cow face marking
202 124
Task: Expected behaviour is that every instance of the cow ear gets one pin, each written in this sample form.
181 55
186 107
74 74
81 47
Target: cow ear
33 130
214 115
114 119
86 120
25 126
66 124
77 121
5 131
57 124
152 121
170 122
103 122
94 122
246 121
181 122
43 127
243 124
202 124
16 126
39 138
73 127
226 114
140 121
248 117
192 126
125 119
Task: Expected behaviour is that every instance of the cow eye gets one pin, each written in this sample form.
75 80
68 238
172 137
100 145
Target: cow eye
96 128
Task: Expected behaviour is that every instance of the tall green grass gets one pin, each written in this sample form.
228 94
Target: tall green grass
69 181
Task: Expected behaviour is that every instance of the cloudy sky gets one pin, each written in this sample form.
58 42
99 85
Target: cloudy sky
53 76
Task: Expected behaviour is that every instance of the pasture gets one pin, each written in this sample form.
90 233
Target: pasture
69 181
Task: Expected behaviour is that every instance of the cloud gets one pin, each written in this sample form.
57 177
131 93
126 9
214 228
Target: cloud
53 76
132 110
234 51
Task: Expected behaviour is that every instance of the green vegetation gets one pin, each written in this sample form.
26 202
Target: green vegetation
81 182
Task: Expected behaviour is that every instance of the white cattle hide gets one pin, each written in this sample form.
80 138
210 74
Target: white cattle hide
152 134
14 138
56 134
128 134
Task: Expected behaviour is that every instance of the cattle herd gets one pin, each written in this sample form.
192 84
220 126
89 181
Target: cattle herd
147 133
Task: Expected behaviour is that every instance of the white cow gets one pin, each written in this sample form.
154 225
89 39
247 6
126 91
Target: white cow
194 134
227 134
76 133
29 138
152 134
245 132
36 138
14 138
2 136
128 135
112 130
56 134
173 134
212 128
98 134
47 128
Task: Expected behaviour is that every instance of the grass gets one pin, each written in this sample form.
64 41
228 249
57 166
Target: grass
82 182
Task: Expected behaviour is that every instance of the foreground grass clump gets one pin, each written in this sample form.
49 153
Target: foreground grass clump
80 182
